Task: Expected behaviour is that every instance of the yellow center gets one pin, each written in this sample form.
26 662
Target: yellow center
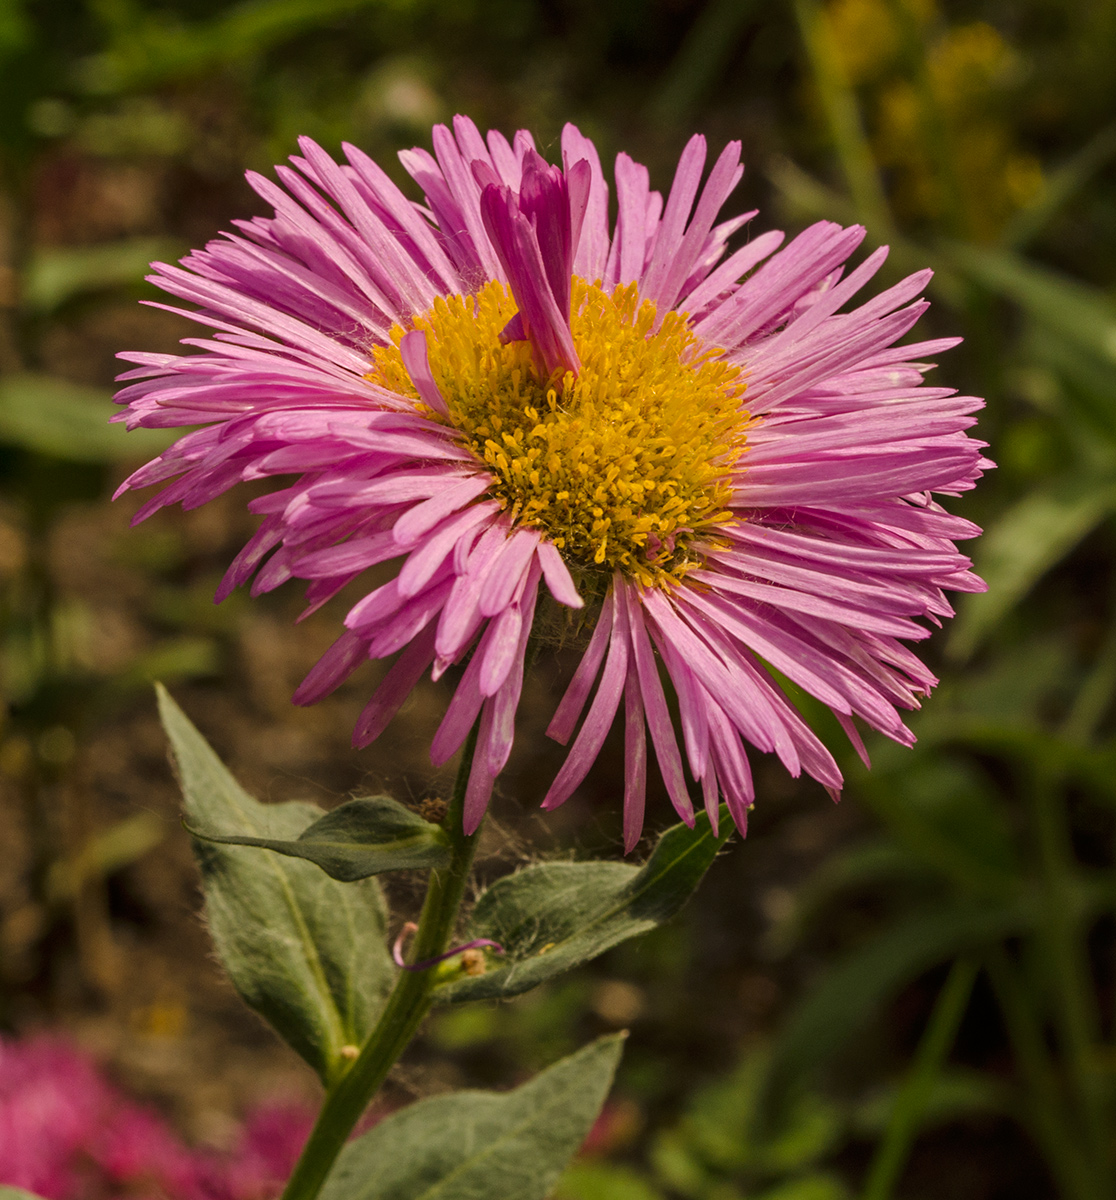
624 467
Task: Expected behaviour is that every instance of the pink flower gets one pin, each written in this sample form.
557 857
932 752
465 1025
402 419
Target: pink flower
496 390
266 1153
53 1103
66 1132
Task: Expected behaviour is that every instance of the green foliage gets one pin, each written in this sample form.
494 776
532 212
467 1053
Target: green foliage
880 127
116 847
509 1146
307 953
154 50
56 275
555 916
948 817
589 1180
1025 542
727 1135
1083 315
69 421
820 1186
957 1092
15 29
363 837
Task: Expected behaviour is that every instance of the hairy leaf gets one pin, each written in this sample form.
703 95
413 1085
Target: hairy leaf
555 916
361 838
308 954
467 1145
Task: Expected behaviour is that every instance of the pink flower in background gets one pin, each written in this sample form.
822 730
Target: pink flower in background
264 1156
66 1133
53 1103
547 419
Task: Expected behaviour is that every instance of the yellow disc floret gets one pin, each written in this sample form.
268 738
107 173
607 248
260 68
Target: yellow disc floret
623 467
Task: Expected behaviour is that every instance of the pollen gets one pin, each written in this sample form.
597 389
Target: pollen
630 464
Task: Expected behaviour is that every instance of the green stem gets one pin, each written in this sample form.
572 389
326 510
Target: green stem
408 1003
1095 697
915 1093
935 129
1063 939
1045 1102
701 60
842 114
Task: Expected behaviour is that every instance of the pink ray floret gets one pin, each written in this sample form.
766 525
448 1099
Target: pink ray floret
835 554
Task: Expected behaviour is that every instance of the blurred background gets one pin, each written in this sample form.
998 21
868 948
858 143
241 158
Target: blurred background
910 994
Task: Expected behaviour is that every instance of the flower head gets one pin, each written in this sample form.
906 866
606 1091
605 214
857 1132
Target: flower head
510 397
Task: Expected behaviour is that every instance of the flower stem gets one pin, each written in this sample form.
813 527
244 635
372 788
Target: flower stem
1064 941
842 113
1051 1117
408 1003
914 1095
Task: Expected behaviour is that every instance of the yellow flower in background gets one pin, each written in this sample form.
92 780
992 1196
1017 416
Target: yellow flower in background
941 126
868 37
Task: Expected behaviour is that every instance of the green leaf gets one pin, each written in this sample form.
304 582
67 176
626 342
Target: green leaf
604 1181
1023 545
1059 187
1009 691
15 35
54 416
1081 314
875 863
308 954
726 1126
555 916
956 1093
728 1132
58 274
510 1146
1075 388
103 854
701 60
816 1186
947 815
361 838
14 1193
678 1166
156 50
846 999
172 659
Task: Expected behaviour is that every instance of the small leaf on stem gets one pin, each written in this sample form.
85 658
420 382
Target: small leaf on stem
502 1146
555 916
361 838
308 954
